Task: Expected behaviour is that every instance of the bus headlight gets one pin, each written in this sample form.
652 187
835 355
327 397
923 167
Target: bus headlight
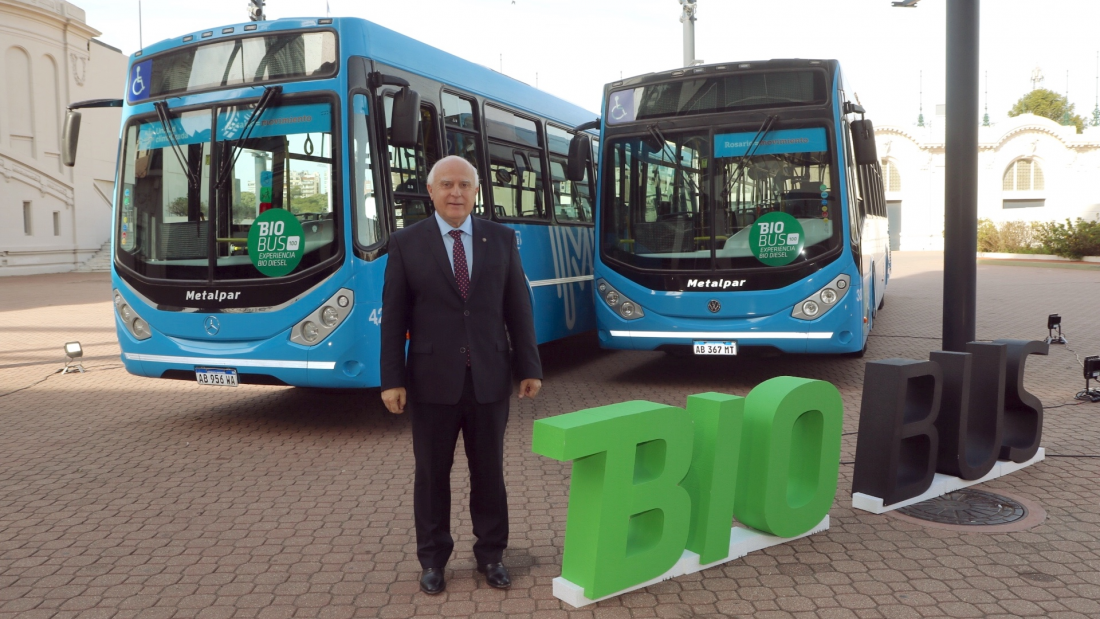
129 317
329 316
313 329
823 300
623 306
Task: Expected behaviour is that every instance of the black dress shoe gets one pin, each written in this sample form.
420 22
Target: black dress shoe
432 582
496 575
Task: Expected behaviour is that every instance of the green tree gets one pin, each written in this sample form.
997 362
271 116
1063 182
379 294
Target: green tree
245 208
1049 104
317 203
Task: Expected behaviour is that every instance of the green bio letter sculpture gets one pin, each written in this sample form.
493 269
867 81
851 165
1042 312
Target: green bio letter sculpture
790 455
628 516
713 474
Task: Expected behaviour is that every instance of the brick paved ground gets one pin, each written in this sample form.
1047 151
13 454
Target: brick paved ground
129 497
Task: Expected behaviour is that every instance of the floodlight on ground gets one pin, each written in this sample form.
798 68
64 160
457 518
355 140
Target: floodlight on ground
906 4
1092 372
1054 321
73 351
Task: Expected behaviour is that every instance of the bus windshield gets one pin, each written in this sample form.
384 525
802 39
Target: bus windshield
687 201
166 228
236 62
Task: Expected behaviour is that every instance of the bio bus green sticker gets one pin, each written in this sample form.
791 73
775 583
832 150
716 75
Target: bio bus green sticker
776 239
275 242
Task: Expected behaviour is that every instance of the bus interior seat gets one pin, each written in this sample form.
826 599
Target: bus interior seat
319 233
666 236
183 240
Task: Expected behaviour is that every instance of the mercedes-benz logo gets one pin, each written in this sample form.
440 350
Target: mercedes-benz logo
211 325
714 306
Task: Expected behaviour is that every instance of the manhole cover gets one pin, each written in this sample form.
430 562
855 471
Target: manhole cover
967 507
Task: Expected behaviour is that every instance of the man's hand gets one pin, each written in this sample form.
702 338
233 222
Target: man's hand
394 399
529 387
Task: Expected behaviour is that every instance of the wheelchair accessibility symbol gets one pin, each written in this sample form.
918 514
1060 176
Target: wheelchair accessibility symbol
621 107
139 86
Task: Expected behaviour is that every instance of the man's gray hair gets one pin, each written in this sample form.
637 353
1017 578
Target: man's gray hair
431 173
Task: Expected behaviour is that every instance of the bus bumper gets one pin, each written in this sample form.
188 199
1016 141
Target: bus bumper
347 358
839 330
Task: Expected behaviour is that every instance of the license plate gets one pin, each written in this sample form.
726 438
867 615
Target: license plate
216 377
716 348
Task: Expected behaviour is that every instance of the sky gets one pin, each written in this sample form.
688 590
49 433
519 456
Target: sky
571 48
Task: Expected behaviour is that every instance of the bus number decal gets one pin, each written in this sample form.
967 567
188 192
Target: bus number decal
376 316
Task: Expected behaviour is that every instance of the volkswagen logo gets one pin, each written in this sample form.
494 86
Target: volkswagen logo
211 325
713 305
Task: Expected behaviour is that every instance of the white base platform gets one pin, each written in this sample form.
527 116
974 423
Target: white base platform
941 485
743 540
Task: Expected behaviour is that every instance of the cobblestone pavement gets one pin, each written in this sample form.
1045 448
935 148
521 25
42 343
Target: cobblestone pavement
129 497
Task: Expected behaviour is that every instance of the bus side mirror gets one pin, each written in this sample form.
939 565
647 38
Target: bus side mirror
580 152
863 142
69 137
405 122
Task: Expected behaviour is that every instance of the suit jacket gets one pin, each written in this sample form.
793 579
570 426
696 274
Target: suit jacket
421 297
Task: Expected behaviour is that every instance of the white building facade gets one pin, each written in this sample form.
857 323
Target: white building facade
1030 168
54 217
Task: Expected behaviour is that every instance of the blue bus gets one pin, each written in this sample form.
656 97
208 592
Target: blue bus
739 206
262 168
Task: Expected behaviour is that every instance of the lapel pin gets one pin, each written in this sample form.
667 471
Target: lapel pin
484 240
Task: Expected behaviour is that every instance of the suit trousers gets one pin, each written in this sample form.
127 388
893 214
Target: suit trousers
435 435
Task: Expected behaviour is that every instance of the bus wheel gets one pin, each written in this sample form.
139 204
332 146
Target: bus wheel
882 303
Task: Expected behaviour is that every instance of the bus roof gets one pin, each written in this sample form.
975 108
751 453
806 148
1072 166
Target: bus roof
778 64
359 37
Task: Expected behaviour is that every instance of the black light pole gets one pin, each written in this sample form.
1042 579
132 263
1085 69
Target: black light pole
961 177
960 216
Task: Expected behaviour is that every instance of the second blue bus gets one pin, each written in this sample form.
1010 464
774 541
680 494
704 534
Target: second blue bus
739 206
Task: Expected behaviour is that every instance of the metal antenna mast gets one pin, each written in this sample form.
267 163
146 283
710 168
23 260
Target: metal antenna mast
985 119
920 116
687 18
1096 110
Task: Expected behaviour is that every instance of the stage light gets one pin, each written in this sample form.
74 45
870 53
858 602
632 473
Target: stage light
1091 366
1054 321
73 351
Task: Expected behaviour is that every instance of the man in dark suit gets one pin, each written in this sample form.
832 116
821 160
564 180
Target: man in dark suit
455 285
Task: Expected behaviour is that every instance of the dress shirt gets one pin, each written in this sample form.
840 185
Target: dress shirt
467 229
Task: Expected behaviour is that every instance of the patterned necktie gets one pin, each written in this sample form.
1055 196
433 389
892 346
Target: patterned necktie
462 272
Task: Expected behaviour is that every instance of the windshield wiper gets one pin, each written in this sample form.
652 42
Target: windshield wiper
166 123
739 171
270 92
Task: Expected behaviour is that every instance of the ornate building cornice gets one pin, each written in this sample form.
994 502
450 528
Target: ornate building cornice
11 168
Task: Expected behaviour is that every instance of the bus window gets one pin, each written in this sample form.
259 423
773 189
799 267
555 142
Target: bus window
162 227
517 183
463 139
409 169
572 200
287 164
368 221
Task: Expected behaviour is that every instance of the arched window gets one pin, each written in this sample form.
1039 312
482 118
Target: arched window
891 175
1023 175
